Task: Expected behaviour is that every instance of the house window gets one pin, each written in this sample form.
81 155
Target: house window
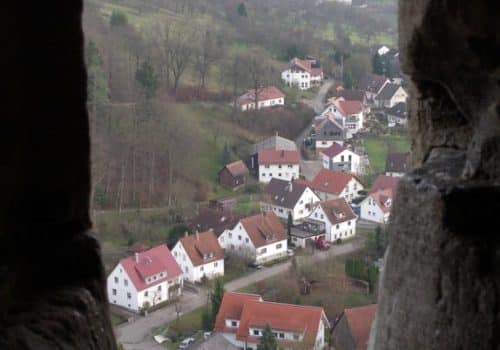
202 268
129 296
116 279
266 166
279 166
230 235
279 174
263 251
337 226
295 336
322 216
256 332
159 288
270 174
215 264
146 293
114 291
239 237
246 240
233 324
125 282
281 335
278 246
349 223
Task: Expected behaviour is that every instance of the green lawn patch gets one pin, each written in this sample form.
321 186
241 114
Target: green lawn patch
378 147
117 319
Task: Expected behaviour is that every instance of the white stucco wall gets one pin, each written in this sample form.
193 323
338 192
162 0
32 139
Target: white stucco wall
195 273
264 104
119 286
278 171
297 78
372 212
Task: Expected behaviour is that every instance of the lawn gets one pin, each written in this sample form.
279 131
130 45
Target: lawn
377 149
117 319
188 325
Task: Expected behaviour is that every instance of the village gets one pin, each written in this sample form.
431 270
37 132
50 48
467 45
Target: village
317 197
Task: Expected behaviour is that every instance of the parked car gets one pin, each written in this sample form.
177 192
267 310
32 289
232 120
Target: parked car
207 335
255 265
186 342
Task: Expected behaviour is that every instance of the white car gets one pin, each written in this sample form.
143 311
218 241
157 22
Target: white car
185 343
207 335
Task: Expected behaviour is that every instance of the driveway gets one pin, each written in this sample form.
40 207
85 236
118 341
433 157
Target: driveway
138 335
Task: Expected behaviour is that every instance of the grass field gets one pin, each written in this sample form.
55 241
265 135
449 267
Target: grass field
377 149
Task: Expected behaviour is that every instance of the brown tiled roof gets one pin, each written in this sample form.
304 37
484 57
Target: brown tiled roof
349 107
237 168
280 193
397 162
274 156
264 94
306 65
333 150
231 307
202 244
337 211
217 220
351 95
331 181
383 182
360 321
264 229
381 196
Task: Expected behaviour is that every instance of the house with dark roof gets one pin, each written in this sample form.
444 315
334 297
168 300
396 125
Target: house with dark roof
286 198
372 84
242 318
390 95
339 158
302 73
199 255
213 219
278 164
352 330
396 115
261 238
307 232
145 279
338 217
397 164
266 97
233 175
328 129
377 206
332 184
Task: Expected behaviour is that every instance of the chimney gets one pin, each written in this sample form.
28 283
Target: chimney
290 185
137 258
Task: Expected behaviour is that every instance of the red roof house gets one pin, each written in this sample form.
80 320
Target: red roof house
331 184
275 156
352 331
267 97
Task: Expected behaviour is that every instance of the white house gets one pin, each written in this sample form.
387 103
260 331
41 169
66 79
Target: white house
331 184
269 96
397 164
242 318
339 158
396 115
278 164
338 217
377 205
289 198
390 95
199 255
328 129
147 278
372 84
349 114
302 74
260 237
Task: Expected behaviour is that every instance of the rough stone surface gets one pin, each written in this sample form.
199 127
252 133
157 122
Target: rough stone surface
441 285
52 284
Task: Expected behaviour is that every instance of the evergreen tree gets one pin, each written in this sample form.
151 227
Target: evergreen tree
377 65
242 10
289 225
267 341
147 79
347 80
117 19
226 155
207 323
216 297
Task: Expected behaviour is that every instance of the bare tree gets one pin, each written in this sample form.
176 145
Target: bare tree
257 74
206 55
179 50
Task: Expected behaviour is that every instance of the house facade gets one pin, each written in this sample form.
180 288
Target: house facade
199 256
338 217
352 330
331 184
339 158
289 198
302 74
274 142
233 175
329 130
145 279
278 164
261 238
396 115
242 318
377 206
372 84
390 95
266 97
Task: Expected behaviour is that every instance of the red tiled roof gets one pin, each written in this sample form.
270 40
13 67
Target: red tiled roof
231 307
333 150
264 94
237 168
360 321
349 107
286 317
337 211
381 196
151 262
273 156
264 229
331 181
384 182
200 244
306 65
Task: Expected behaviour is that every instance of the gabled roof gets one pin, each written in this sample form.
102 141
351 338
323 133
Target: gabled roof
231 308
283 193
333 150
263 94
264 229
216 220
329 120
202 248
285 317
337 211
373 83
387 91
383 182
398 110
148 263
383 198
331 181
305 65
397 162
237 168
351 95
349 107
360 321
274 142
273 156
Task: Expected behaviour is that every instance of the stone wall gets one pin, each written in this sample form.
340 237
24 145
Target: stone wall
441 285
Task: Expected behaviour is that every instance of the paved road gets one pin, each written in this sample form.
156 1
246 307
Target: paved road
138 334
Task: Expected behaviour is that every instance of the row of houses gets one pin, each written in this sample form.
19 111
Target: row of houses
242 318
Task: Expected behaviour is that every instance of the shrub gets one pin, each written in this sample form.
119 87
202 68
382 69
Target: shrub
118 18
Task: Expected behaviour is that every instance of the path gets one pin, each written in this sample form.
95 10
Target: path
138 335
